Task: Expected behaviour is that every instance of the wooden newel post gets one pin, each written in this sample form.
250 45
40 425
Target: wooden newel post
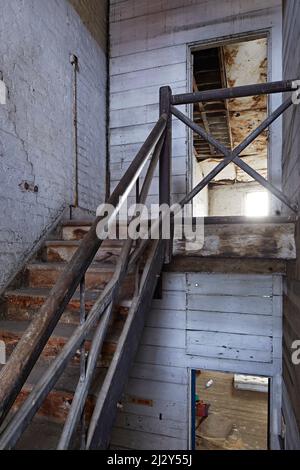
165 162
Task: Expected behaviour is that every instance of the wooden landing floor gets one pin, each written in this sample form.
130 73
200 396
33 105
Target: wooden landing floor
246 410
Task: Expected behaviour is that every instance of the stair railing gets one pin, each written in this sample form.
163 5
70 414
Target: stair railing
26 353
158 144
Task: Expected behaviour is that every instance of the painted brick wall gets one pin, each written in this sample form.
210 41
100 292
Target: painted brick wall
36 133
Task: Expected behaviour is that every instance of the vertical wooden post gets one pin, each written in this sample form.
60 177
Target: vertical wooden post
165 162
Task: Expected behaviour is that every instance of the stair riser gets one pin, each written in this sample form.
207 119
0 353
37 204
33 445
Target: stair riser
55 346
47 278
56 406
74 233
65 253
20 309
78 233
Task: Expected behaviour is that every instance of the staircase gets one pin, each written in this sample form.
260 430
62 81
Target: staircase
23 302
74 317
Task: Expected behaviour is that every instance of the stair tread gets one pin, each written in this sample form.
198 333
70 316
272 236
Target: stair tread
68 380
78 222
50 265
62 330
43 292
41 434
90 295
105 243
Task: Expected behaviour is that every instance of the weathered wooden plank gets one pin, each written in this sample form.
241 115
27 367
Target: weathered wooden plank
151 425
230 323
229 340
230 304
142 440
149 389
139 114
155 76
243 240
167 319
131 134
170 300
265 369
126 153
144 96
292 439
178 168
121 32
174 282
130 9
244 355
178 185
171 357
169 409
147 60
226 265
230 284
165 337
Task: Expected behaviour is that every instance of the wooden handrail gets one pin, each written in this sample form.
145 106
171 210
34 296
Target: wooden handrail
235 92
100 311
29 348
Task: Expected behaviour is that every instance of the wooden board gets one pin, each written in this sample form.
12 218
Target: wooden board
226 265
176 338
245 240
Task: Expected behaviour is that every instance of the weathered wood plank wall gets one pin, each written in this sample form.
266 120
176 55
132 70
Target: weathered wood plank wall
291 186
149 49
204 321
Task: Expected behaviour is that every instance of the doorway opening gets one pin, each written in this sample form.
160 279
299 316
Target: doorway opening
229 411
230 122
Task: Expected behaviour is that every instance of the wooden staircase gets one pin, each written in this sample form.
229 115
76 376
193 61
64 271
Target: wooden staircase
111 284
22 302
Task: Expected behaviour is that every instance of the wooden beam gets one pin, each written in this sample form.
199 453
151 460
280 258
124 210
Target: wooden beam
241 240
226 265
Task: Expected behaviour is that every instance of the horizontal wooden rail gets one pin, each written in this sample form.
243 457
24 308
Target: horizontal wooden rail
235 92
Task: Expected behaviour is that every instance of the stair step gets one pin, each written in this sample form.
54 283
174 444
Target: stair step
41 434
63 250
46 275
20 305
57 404
55 408
12 331
23 304
76 229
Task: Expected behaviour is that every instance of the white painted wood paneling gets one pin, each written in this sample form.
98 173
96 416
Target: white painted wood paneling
149 49
228 337
149 45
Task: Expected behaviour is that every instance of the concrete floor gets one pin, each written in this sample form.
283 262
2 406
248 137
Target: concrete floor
238 419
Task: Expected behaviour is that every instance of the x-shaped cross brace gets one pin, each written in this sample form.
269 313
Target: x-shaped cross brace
234 155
